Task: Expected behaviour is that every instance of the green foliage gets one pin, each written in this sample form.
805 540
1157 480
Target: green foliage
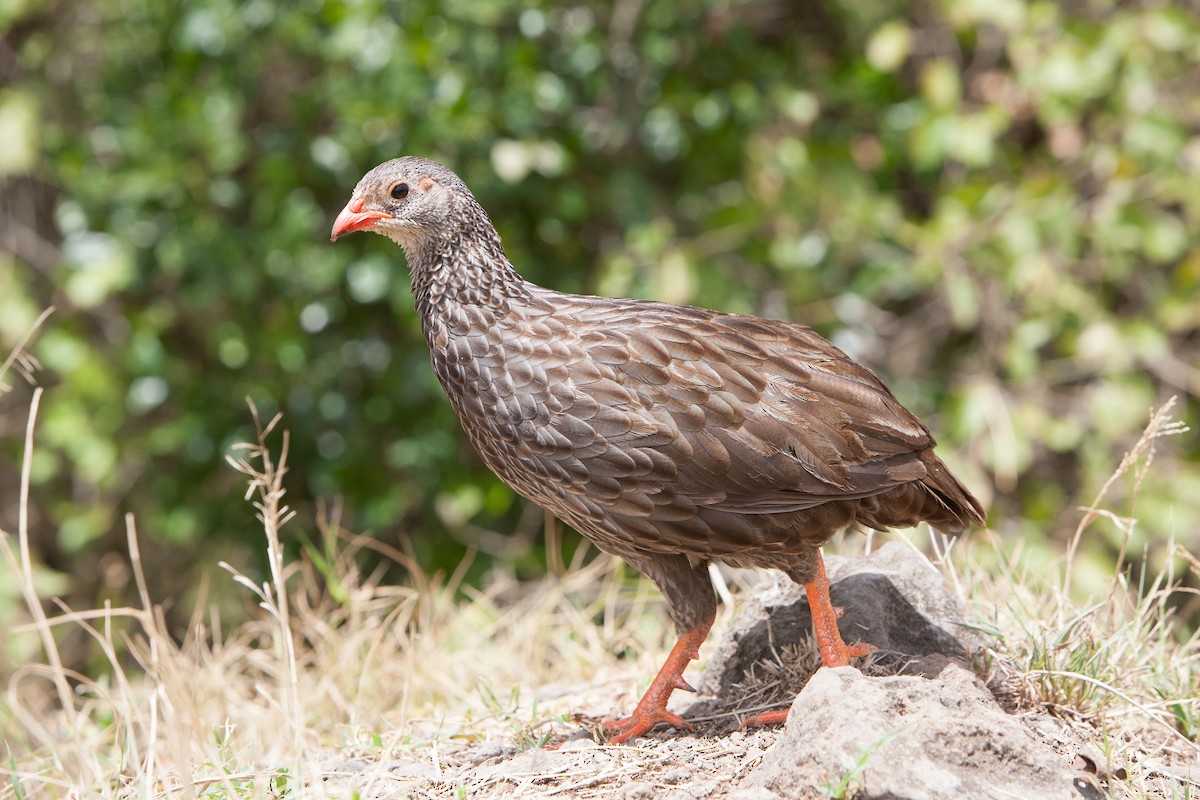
994 203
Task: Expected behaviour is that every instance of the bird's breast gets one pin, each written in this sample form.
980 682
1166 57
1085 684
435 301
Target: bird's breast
508 379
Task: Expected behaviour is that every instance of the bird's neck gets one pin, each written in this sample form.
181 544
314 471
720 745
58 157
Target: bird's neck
465 266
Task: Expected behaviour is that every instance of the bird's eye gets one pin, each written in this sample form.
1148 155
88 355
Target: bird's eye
400 191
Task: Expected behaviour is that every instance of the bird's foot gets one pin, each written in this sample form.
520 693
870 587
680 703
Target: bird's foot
838 654
642 721
652 708
776 717
834 651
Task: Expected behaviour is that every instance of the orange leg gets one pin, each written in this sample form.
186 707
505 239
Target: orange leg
834 651
652 709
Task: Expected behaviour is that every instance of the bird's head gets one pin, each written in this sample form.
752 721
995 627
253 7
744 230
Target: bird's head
408 199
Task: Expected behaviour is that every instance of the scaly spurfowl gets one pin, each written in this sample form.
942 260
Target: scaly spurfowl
670 436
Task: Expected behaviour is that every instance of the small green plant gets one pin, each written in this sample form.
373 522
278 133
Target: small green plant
281 783
13 777
848 785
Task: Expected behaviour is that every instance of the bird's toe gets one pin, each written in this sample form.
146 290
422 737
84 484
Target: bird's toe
776 717
641 722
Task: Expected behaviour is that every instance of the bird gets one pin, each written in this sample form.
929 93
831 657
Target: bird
671 436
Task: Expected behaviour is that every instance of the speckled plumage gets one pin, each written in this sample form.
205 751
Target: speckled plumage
668 435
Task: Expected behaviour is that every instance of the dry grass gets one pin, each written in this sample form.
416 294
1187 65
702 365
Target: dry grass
346 686
1118 671
337 666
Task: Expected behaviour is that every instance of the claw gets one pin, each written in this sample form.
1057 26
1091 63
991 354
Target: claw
680 683
642 722
652 709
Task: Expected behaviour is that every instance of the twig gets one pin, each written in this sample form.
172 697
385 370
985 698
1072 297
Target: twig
26 364
34 603
1160 425
23 565
266 479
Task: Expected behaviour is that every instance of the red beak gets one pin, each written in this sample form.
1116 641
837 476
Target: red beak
355 218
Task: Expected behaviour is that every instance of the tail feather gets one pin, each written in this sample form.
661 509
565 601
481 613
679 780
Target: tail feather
959 506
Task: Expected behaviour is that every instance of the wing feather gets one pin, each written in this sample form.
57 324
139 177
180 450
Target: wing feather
670 410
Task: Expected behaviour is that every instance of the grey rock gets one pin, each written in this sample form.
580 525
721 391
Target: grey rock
752 793
637 790
908 738
490 749
893 599
676 775
413 769
531 762
677 794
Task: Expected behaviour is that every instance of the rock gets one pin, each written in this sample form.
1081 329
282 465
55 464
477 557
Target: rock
934 731
893 599
581 743
491 749
905 737
752 793
530 762
676 775
638 790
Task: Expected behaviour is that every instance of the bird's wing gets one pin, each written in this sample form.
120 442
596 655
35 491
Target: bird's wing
753 415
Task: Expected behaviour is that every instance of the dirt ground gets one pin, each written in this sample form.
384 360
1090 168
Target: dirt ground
678 767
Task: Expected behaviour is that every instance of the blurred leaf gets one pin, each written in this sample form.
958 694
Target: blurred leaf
19 130
889 46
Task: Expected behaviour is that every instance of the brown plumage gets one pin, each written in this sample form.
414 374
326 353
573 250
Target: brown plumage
668 435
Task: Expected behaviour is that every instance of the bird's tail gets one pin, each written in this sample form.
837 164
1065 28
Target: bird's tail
959 508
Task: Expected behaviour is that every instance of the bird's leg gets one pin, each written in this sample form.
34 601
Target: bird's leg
834 651
652 709
688 590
